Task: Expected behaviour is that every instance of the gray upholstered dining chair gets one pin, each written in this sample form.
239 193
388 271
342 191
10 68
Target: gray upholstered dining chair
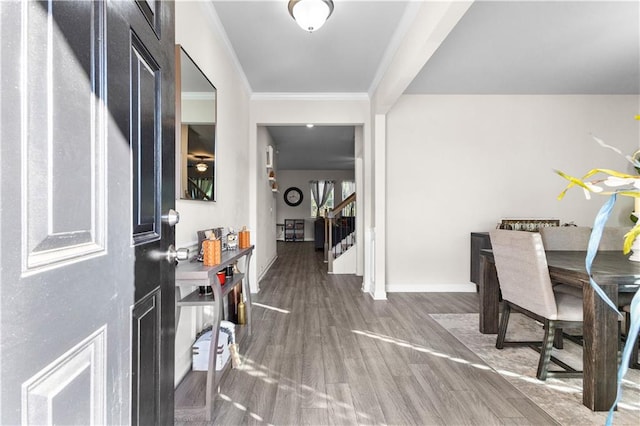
526 287
565 237
577 238
612 238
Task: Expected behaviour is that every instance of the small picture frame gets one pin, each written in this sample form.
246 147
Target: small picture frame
269 156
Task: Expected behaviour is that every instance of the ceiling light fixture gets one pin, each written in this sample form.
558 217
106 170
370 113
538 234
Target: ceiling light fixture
309 125
310 14
202 167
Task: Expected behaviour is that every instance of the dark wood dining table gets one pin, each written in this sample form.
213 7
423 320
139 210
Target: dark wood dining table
615 274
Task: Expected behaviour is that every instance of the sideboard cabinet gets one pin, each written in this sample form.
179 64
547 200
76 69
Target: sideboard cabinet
479 241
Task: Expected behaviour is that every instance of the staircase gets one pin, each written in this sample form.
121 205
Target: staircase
340 237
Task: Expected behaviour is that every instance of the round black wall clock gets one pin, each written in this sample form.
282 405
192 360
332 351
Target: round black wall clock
293 196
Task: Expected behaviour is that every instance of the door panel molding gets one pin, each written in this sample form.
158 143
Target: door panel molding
64 216
149 9
44 400
146 321
146 142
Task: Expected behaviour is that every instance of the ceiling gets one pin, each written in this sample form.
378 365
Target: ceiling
538 47
278 56
315 148
498 47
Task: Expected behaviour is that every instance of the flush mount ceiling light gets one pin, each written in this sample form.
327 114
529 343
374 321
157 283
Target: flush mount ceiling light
201 165
310 14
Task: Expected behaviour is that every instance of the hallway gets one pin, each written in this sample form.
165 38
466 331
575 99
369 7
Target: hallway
325 353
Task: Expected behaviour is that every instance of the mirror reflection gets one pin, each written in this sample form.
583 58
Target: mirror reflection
197 132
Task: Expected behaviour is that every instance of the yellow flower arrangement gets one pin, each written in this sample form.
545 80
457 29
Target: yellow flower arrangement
626 185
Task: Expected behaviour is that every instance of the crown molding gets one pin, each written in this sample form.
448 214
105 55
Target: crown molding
290 96
219 28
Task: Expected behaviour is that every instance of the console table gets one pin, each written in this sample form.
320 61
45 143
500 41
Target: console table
190 276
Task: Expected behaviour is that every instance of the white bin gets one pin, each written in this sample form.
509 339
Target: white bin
200 351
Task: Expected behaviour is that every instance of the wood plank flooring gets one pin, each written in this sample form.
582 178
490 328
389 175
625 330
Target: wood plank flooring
324 353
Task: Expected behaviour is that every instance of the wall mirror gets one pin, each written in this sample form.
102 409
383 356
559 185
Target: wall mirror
195 131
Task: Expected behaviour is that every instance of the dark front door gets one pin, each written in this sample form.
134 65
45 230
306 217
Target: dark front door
86 291
141 59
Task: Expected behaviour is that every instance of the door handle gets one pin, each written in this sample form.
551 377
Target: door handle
171 218
171 255
174 255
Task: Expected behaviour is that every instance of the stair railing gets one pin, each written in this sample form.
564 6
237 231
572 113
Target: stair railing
339 227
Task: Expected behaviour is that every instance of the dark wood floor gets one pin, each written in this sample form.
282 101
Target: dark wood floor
325 353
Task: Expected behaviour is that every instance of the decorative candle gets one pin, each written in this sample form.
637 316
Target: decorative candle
244 238
212 252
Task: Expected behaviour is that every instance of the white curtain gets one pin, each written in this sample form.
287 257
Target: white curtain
320 190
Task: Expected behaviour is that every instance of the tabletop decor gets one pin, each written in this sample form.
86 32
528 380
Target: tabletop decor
626 185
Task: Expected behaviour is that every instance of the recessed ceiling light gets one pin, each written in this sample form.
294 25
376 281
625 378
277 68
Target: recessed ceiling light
309 125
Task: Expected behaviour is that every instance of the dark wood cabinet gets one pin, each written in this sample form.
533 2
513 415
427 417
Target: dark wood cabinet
479 241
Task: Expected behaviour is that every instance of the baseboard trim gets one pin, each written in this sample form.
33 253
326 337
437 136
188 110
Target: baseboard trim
378 296
431 288
267 269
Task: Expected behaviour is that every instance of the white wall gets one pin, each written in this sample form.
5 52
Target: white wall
300 179
266 206
197 32
459 163
207 49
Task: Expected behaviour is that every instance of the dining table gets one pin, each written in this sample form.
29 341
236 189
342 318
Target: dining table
615 274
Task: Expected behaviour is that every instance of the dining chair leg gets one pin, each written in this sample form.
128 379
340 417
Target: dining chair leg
502 328
545 350
558 340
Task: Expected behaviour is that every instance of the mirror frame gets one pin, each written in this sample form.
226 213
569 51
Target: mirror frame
180 155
